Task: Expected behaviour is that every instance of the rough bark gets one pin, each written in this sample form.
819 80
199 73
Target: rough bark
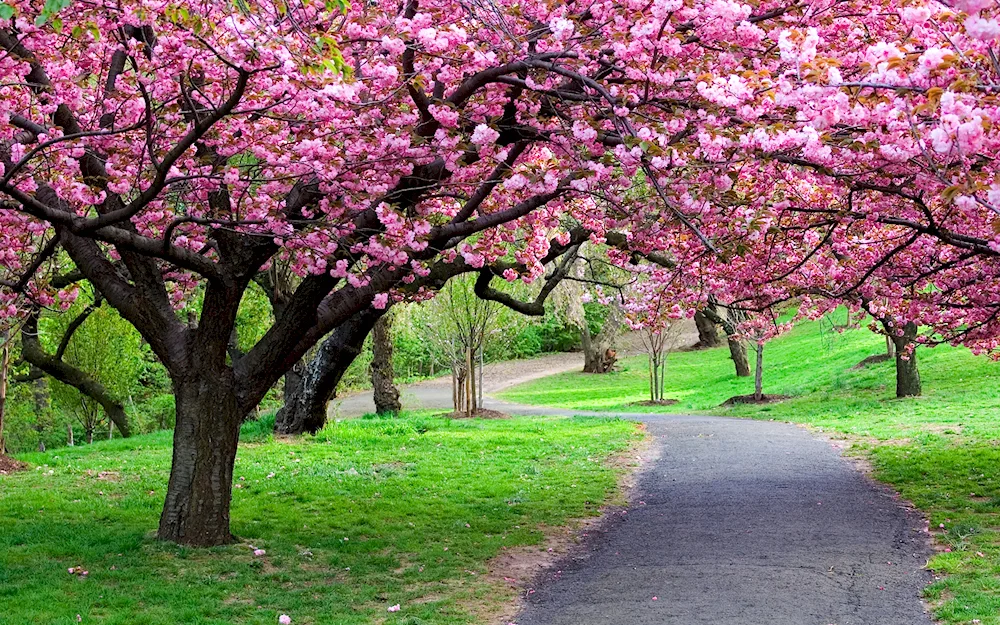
383 376
196 510
738 353
305 410
598 355
54 366
737 350
708 332
907 374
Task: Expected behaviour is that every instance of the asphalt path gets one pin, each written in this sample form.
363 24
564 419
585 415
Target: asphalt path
736 522
744 522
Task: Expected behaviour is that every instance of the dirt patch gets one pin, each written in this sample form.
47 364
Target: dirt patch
871 360
750 399
659 402
520 567
9 465
483 413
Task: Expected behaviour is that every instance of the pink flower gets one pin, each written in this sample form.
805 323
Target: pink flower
380 301
284 619
259 552
484 135
394 608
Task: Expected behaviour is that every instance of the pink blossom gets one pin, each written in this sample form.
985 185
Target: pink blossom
484 135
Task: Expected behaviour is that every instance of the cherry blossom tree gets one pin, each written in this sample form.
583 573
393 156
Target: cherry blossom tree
784 150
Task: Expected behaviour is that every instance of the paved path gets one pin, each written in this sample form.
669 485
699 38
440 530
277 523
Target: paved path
744 522
737 522
436 394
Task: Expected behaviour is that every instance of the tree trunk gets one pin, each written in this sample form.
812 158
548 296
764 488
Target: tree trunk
4 370
470 375
708 332
890 347
384 389
758 381
89 433
305 408
196 510
292 386
598 355
738 353
907 374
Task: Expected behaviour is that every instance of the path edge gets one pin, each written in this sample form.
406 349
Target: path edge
563 543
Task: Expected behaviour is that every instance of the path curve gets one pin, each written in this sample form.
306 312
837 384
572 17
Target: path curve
743 522
738 522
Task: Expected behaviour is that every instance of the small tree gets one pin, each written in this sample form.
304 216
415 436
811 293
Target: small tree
588 274
464 328
653 314
659 341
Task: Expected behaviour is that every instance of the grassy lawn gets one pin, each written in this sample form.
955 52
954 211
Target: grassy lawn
941 451
368 514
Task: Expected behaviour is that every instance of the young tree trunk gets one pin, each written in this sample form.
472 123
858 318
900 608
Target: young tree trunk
196 510
738 353
4 370
470 407
89 433
305 406
890 347
652 378
708 332
69 435
907 374
385 392
758 382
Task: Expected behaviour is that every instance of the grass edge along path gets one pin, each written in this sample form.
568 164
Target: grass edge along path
940 451
369 514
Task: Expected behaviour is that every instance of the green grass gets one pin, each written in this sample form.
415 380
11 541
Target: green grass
941 451
367 514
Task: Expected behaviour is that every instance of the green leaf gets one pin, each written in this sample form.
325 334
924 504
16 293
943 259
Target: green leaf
6 11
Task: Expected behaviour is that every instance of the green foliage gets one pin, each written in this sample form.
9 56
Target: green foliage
106 347
368 514
254 317
159 412
49 11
